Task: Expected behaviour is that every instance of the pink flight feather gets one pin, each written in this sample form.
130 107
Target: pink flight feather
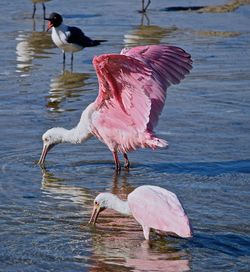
132 92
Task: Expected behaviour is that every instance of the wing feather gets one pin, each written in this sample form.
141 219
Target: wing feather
169 65
123 103
132 91
160 209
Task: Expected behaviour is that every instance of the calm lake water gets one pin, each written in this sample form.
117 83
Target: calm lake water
44 213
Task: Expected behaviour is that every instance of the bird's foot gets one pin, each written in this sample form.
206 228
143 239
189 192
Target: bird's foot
118 168
127 165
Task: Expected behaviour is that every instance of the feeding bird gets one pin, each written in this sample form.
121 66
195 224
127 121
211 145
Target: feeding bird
152 207
132 92
68 38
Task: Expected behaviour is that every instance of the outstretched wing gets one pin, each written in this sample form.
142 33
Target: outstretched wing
157 208
123 104
132 90
169 65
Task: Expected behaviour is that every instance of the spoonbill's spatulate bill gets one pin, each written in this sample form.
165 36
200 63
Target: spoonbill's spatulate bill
153 207
68 38
132 92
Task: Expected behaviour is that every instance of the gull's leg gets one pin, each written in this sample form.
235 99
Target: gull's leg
72 57
147 5
44 12
64 60
144 9
34 10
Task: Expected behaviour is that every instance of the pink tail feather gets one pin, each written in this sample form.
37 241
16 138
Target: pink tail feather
154 142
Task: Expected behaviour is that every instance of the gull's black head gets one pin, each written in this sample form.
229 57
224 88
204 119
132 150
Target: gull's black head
55 19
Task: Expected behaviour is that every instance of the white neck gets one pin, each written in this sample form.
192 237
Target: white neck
118 205
82 132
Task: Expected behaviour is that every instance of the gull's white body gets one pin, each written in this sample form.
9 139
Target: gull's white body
60 35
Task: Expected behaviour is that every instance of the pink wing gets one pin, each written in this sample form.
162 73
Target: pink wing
132 91
157 208
123 107
169 64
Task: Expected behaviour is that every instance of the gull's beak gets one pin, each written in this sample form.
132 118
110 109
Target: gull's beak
46 149
50 25
96 210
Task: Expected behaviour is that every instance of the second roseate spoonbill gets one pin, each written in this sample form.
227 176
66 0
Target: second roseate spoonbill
132 92
153 207
68 38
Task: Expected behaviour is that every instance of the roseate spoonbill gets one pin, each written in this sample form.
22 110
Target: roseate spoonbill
152 207
132 92
68 38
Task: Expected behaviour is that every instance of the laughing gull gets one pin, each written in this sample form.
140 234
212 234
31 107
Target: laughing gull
68 38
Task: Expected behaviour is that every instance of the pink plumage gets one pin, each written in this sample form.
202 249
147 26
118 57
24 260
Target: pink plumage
157 208
132 93
153 207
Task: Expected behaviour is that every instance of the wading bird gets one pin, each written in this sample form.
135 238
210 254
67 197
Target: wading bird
68 38
145 7
152 207
132 92
34 7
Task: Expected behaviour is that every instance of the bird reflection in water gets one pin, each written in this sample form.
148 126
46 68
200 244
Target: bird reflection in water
31 45
145 34
65 85
117 242
58 189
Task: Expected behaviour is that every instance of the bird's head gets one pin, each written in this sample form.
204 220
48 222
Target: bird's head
50 138
55 19
101 202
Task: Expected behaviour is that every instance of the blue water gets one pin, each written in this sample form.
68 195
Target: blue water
44 212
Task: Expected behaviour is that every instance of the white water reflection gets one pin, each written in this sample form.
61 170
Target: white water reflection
30 46
147 34
67 85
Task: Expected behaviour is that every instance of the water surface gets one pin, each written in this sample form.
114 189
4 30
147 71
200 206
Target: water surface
44 212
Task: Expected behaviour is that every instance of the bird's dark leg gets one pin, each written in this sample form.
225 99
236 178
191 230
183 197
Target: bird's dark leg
72 57
64 60
34 10
142 6
127 163
117 163
44 11
149 1
144 9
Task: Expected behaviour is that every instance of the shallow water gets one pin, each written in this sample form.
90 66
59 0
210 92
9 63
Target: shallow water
44 213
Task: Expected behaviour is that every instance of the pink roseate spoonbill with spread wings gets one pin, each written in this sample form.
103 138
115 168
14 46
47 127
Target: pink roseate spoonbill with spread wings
152 207
132 92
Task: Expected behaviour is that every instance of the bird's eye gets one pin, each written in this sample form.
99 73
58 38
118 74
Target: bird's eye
96 203
46 139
